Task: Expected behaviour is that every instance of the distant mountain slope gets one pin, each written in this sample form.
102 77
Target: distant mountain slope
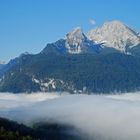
10 130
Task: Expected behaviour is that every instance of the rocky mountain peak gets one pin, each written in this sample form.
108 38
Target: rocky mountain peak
75 41
115 34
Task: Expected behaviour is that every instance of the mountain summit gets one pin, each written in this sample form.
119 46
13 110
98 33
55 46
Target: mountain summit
115 34
74 42
112 37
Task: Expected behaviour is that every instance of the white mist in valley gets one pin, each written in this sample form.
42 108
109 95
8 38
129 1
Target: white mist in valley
101 117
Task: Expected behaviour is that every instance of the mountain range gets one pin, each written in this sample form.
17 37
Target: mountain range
105 60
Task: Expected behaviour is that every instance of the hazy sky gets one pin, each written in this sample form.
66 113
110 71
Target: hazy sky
28 25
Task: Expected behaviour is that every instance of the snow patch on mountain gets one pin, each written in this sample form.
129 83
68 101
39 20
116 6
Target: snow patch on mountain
46 84
51 84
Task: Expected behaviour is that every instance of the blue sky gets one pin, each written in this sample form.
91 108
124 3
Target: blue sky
28 25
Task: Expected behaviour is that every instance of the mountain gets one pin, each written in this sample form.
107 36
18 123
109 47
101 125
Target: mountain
112 37
116 35
78 63
86 73
75 42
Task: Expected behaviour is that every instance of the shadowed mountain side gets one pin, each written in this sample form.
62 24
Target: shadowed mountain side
73 73
10 130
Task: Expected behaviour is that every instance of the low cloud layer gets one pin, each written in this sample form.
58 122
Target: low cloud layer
101 117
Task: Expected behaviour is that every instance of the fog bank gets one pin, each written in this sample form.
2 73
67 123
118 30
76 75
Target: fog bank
101 117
